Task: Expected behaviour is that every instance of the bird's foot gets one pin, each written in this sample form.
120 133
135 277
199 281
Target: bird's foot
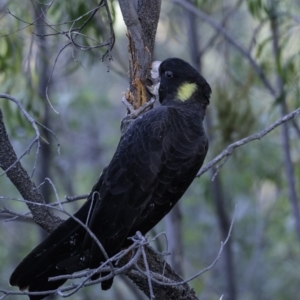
134 113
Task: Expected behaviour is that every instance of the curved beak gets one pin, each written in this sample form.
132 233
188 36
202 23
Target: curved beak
154 81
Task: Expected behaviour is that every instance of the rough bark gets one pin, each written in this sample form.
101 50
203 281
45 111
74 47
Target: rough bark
141 23
22 181
216 184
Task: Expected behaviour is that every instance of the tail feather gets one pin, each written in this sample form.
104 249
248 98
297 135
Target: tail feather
41 284
41 263
106 285
46 255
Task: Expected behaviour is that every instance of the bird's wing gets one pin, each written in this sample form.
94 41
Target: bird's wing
185 149
151 159
129 180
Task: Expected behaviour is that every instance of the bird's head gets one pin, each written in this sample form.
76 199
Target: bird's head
175 79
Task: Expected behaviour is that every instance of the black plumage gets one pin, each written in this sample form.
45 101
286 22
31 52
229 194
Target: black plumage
155 162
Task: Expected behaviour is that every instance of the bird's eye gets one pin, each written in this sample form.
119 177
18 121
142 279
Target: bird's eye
169 74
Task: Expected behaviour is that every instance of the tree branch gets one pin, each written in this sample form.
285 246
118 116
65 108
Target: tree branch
178 289
141 24
226 153
22 181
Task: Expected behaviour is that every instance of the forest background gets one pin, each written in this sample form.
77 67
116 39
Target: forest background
249 53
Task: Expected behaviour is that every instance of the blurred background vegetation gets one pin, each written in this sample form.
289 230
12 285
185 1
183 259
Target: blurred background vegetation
261 178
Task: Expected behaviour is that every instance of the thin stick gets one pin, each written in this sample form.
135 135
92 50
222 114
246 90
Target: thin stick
257 136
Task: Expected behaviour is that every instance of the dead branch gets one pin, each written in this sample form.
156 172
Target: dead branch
226 153
10 163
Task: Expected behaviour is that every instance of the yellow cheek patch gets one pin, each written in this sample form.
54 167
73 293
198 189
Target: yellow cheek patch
186 90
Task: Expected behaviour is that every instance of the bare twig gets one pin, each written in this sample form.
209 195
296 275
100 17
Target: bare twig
71 33
162 280
51 74
54 135
33 123
157 278
147 271
257 136
13 213
54 189
16 215
75 198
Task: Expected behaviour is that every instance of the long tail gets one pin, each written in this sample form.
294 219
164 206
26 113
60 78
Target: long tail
47 259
